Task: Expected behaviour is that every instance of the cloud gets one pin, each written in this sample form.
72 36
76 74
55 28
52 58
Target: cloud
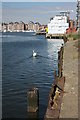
40 12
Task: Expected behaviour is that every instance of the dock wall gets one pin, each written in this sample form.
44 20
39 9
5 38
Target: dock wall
57 90
70 106
67 101
56 36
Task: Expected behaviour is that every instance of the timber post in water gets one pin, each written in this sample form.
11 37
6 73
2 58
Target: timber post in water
33 100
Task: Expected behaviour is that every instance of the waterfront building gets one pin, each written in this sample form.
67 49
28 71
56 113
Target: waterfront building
36 26
31 25
21 26
10 27
72 27
26 27
42 27
4 27
78 15
71 24
15 27
58 24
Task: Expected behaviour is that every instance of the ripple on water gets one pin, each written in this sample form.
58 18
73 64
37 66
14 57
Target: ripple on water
20 73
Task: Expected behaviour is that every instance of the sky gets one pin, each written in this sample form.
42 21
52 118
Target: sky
35 11
38 0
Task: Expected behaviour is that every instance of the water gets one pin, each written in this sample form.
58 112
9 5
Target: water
20 71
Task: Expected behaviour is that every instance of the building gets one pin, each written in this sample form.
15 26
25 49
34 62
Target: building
71 24
72 27
58 24
26 27
78 15
20 26
42 28
15 27
10 27
36 26
4 27
31 25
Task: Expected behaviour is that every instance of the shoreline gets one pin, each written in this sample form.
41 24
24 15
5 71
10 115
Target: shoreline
69 106
67 79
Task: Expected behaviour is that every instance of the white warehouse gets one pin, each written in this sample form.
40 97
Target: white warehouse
58 24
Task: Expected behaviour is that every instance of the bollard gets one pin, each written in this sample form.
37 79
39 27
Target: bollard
33 100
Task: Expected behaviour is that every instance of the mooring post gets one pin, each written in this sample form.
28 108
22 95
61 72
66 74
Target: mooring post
33 100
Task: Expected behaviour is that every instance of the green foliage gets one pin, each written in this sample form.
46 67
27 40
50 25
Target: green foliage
74 36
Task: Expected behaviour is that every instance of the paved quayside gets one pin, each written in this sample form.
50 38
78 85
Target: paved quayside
69 106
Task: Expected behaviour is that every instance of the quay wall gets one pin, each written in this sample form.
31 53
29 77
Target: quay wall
57 90
69 107
67 83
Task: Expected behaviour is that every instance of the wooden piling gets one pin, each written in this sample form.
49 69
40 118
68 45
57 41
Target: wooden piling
33 100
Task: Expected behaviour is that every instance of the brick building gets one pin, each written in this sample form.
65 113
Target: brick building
78 15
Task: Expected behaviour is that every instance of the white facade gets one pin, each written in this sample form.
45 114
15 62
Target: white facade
58 25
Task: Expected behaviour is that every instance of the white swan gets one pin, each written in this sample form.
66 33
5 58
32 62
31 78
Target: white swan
34 54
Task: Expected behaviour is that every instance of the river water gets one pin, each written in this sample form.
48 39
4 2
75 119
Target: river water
20 71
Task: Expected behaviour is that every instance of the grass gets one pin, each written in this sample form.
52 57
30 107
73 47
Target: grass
74 36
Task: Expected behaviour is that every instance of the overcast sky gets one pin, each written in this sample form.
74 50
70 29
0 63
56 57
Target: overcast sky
35 11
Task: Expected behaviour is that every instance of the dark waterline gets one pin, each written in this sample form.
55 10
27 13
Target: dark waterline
21 72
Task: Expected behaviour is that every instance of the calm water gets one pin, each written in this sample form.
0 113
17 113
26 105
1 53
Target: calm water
20 71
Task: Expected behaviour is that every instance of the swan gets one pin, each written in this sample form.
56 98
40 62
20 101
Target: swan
34 54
